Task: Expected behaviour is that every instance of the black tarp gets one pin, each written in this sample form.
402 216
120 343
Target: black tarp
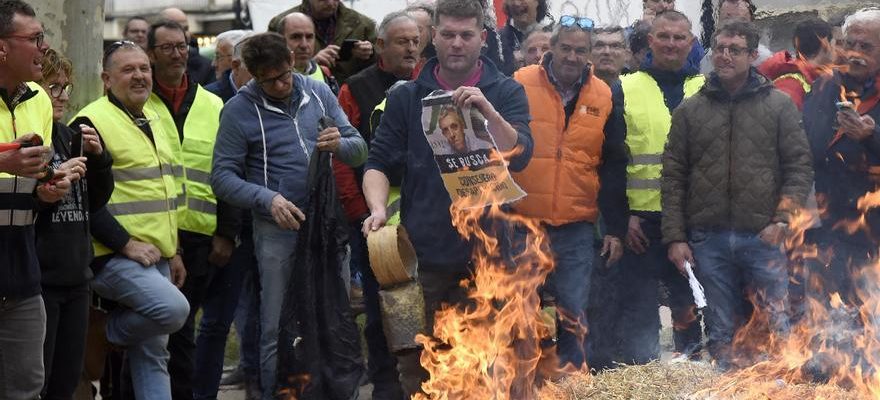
319 353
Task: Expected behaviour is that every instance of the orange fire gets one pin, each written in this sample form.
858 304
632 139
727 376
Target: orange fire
491 348
835 346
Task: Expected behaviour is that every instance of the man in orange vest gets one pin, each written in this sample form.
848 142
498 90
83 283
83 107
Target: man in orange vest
579 144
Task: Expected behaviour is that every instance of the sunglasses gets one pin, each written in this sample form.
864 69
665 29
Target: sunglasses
116 46
584 23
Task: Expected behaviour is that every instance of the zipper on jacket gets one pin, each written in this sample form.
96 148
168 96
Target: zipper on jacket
731 105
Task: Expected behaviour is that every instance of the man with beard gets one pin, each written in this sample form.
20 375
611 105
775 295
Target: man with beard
845 141
400 145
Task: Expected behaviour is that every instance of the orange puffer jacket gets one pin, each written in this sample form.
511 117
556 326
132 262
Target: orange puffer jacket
562 180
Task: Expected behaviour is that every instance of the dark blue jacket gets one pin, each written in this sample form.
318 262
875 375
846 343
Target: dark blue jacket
222 87
841 170
400 145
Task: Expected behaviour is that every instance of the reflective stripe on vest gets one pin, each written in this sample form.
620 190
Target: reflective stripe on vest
393 209
33 115
647 124
143 201
798 77
198 212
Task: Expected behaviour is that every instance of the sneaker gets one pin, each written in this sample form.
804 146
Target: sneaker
234 378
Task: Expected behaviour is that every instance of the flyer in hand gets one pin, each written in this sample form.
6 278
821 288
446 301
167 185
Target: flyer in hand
473 170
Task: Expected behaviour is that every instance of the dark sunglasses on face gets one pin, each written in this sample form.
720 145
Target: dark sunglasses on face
581 22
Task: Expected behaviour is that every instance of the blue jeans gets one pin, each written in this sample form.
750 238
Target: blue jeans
154 308
726 263
22 331
218 311
569 283
274 248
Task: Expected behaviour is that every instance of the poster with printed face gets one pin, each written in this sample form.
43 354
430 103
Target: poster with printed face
473 170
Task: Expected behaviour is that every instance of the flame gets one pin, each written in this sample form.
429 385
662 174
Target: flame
834 347
491 348
297 385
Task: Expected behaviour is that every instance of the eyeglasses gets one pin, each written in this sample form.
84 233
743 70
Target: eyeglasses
116 46
37 39
733 51
169 48
284 77
582 22
55 89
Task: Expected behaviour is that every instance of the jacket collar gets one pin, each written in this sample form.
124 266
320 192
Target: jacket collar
490 75
755 83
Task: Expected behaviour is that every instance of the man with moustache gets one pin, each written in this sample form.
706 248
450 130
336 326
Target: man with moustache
207 227
845 144
731 185
650 96
399 144
398 47
137 255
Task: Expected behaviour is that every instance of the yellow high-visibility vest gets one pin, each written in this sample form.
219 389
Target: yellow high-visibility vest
647 124
33 115
196 205
145 193
393 210
798 77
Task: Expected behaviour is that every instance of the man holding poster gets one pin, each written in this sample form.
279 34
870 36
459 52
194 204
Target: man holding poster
410 138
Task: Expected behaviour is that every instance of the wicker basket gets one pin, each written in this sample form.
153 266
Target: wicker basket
392 256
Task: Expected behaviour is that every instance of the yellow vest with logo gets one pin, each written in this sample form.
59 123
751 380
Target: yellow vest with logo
647 124
143 200
33 115
197 205
393 211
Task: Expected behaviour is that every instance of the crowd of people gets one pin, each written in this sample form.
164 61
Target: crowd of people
643 153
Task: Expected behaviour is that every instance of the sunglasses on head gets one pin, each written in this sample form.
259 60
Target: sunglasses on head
581 22
116 46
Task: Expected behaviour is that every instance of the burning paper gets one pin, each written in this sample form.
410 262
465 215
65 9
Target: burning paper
465 153
696 287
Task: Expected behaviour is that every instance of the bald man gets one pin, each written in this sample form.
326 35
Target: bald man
198 68
299 33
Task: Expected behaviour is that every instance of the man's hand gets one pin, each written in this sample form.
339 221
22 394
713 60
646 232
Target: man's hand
29 162
286 214
178 271
773 234
376 220
74 168
328 140
678 253
362 50
635 238
221 251
327 56
612 248
467 96
91 141
144 253
856 127
54 191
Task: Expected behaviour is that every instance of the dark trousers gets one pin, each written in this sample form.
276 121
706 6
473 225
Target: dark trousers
439 287
218 311
67 318
182 344
639 320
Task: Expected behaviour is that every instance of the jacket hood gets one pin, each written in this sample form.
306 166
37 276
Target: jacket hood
755 84
782 63
490 75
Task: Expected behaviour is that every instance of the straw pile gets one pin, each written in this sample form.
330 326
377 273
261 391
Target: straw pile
684 381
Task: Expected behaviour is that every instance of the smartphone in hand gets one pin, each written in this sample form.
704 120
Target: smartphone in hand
345 51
